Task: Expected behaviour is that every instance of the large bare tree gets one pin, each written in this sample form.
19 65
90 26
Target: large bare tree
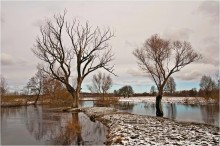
70 47
161 58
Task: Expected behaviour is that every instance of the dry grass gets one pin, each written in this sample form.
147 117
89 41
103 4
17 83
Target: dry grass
61 101
16 100
107 101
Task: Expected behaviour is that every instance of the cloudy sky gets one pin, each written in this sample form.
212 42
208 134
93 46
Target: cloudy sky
133 22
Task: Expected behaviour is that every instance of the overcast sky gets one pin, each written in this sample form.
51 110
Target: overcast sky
133 22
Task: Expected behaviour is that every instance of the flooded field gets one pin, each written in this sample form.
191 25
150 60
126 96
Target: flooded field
208 114
30 125
41 125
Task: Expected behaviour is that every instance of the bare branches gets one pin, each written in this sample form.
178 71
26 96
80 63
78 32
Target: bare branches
101 83
155 56
184 54
50 49
90 48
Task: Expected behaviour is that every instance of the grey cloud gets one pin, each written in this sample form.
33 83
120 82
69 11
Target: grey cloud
2 20
135 73
131 44
38 23
210 50
194 72
9 60
133 82
188 75
178 33
6 59
211 9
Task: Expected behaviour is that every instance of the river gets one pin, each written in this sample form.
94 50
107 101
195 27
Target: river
44 125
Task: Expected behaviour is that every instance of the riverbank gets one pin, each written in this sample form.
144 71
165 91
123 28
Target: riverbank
129 129
17 103
183 100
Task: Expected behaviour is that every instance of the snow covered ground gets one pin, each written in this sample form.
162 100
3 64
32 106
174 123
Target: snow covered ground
184 100
152 99
129 129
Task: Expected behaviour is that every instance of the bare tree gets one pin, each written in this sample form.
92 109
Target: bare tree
170 85
52 88
161 58
101 83
89 50
207 86
3 86
35 84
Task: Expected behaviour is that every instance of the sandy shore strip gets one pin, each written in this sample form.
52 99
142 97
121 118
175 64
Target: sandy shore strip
129 129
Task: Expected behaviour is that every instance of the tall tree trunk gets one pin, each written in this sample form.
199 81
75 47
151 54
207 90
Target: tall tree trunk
76 96
159 110
75 100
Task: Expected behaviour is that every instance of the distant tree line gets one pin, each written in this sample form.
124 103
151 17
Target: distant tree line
209 89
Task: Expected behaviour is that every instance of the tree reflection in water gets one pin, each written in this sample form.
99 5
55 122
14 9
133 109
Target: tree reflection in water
210 114
171 111
71 133
63 128
126 106
40 125
150 108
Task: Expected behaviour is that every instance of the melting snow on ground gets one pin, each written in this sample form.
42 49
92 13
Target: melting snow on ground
129 129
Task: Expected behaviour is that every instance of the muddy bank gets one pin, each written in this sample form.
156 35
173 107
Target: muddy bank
129 129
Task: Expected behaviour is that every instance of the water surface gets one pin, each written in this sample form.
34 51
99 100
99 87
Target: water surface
29 125
43 125
208 114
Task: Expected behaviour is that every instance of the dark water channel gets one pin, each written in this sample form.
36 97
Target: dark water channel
41 125
208 114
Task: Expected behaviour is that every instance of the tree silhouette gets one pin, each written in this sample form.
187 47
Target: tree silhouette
161 58
101 83
66 47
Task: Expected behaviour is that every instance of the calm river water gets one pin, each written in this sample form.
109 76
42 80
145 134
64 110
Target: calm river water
29 125
208 114
42 125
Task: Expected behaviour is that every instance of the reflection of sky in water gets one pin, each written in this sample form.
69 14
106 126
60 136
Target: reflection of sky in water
30 125
181 112
38 126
